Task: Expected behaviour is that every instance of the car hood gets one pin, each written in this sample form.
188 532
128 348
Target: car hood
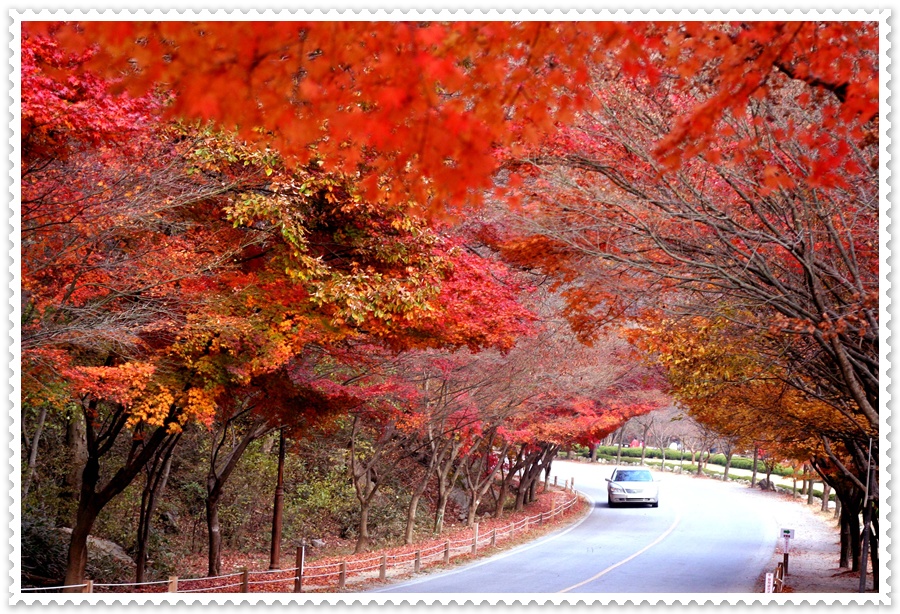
636 485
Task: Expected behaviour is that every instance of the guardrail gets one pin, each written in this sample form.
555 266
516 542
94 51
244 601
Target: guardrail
328 575
775 581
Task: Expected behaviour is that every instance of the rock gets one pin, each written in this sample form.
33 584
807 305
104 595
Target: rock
317 543
460 499
98 547
170 522
765 484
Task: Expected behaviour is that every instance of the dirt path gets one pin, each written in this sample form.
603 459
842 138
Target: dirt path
814 555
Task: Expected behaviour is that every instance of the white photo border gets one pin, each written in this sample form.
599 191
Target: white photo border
358 11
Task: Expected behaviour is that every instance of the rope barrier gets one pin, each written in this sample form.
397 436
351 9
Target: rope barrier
433 556
135 583
228 575
374 558
402 555
435 547
268 571
321 575
320 566
209 588
272 581
424 554
361 569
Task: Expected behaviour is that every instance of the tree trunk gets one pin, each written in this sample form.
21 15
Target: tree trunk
76 442
363 540
446 476
217 476
474 502
444 487
873 548
409 534
502 494
844 559
84 521
826 495
32 455
520 496
278 507
155 485
755 458
366 481
811 493
439 512
850 535
78 551
214 534
438 452
91 501
530 473
644 433
728 458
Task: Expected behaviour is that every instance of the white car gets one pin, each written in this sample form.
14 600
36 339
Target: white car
632 486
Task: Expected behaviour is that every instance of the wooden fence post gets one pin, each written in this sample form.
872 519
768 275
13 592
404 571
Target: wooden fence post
342 578
300 563
382 570
88 586
418 564
494 537
541 522
475 540
173 584
446 552
555 478
245 579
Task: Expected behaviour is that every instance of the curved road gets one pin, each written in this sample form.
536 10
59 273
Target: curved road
705 537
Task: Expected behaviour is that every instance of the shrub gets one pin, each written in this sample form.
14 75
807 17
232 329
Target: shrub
44 549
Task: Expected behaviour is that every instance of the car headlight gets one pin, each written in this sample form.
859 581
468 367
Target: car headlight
616 489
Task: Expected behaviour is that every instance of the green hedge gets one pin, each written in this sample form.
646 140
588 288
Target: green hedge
630 454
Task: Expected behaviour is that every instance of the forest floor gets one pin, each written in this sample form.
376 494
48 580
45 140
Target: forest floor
814 553
362 569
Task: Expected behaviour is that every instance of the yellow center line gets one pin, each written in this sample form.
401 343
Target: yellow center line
623 561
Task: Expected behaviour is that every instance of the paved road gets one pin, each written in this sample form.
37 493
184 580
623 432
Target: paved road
705 537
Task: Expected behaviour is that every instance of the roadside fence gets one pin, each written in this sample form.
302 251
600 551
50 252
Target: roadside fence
329 575
775 581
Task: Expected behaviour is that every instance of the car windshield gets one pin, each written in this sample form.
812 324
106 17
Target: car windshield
632 476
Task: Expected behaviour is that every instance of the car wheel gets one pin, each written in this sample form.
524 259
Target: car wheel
654 504
613 504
